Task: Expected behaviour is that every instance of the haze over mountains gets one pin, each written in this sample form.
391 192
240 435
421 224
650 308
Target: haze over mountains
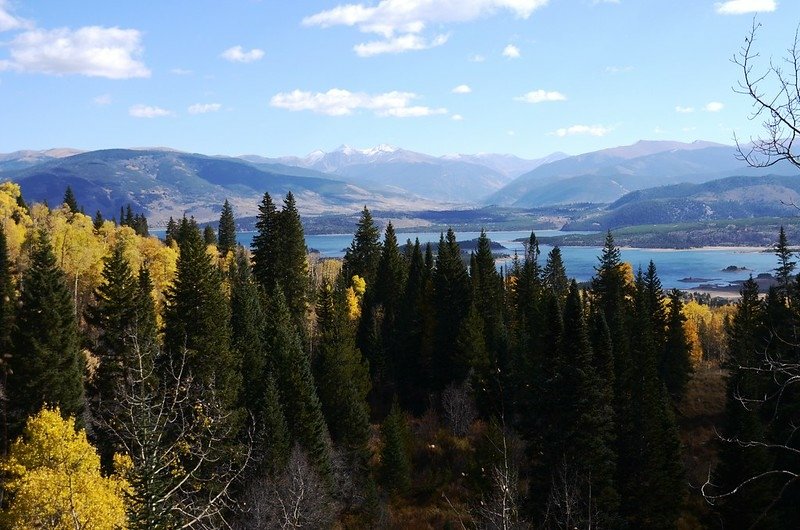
163 182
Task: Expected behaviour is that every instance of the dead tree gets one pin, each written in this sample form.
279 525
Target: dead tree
774 89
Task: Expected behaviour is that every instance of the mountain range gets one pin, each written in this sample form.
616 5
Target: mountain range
163 182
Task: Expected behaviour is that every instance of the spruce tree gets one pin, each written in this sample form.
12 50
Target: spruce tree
209 236
226 234
554 274
452 300
655 303
195 317
676 365
171 232
273 441
341 374
291 266
71 201
395 464
362 257
786 265
264 246
47 365
297 387
98 220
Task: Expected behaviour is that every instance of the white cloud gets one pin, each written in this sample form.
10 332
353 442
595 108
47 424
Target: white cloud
9 21
339 102
539 96
92 51
203 108
511 51
684 110
390 18
147 111
741 7
714 106
462 89
237 54
400 44
477 58
180 71
457 117
102 100
619 69
589 130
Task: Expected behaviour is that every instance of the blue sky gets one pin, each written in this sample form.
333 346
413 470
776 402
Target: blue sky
280 77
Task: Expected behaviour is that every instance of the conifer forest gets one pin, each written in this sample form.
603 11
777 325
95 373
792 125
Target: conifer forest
190 382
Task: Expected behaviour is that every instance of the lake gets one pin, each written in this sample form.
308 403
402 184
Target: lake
672 265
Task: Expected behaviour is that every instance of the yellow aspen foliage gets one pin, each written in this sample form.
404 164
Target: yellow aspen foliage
15 220
627 273
354 294
78 250
697 315
54 478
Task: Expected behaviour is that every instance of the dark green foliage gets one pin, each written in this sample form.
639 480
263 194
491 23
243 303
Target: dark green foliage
554 274
342 375
47 365
171 232
395 466
209 236
71 201
786 265
296 384
196 306
264 246
98 220
676 366
227 230
655 304
362 257
452 300
273 442
136 221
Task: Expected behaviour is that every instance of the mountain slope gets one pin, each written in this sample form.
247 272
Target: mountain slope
738 197
604 176
170 183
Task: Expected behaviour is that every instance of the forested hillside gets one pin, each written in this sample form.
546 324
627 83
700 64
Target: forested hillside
194 383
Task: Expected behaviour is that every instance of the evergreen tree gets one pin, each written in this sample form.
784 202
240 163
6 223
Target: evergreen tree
786 264
265 245
395 466
71 201
196 306
291 264
296 383
676 365
342 375
171 232
209 236
227 230
46 365
452 300
655 303
362 257
97 223
554 274
273 442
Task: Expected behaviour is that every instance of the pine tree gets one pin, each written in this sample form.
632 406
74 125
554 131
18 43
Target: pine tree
786 264
227 230
452 300
395 466
291 264
171 232
655 303
342 375
362 257
97 223
209 236
195 317
296 384
47 365
676 365
554 274
71 201
265 245
272 433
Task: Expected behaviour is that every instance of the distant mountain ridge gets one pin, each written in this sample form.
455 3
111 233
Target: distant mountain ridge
462 179
605 176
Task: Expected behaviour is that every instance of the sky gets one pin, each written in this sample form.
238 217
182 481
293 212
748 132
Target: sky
281 77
